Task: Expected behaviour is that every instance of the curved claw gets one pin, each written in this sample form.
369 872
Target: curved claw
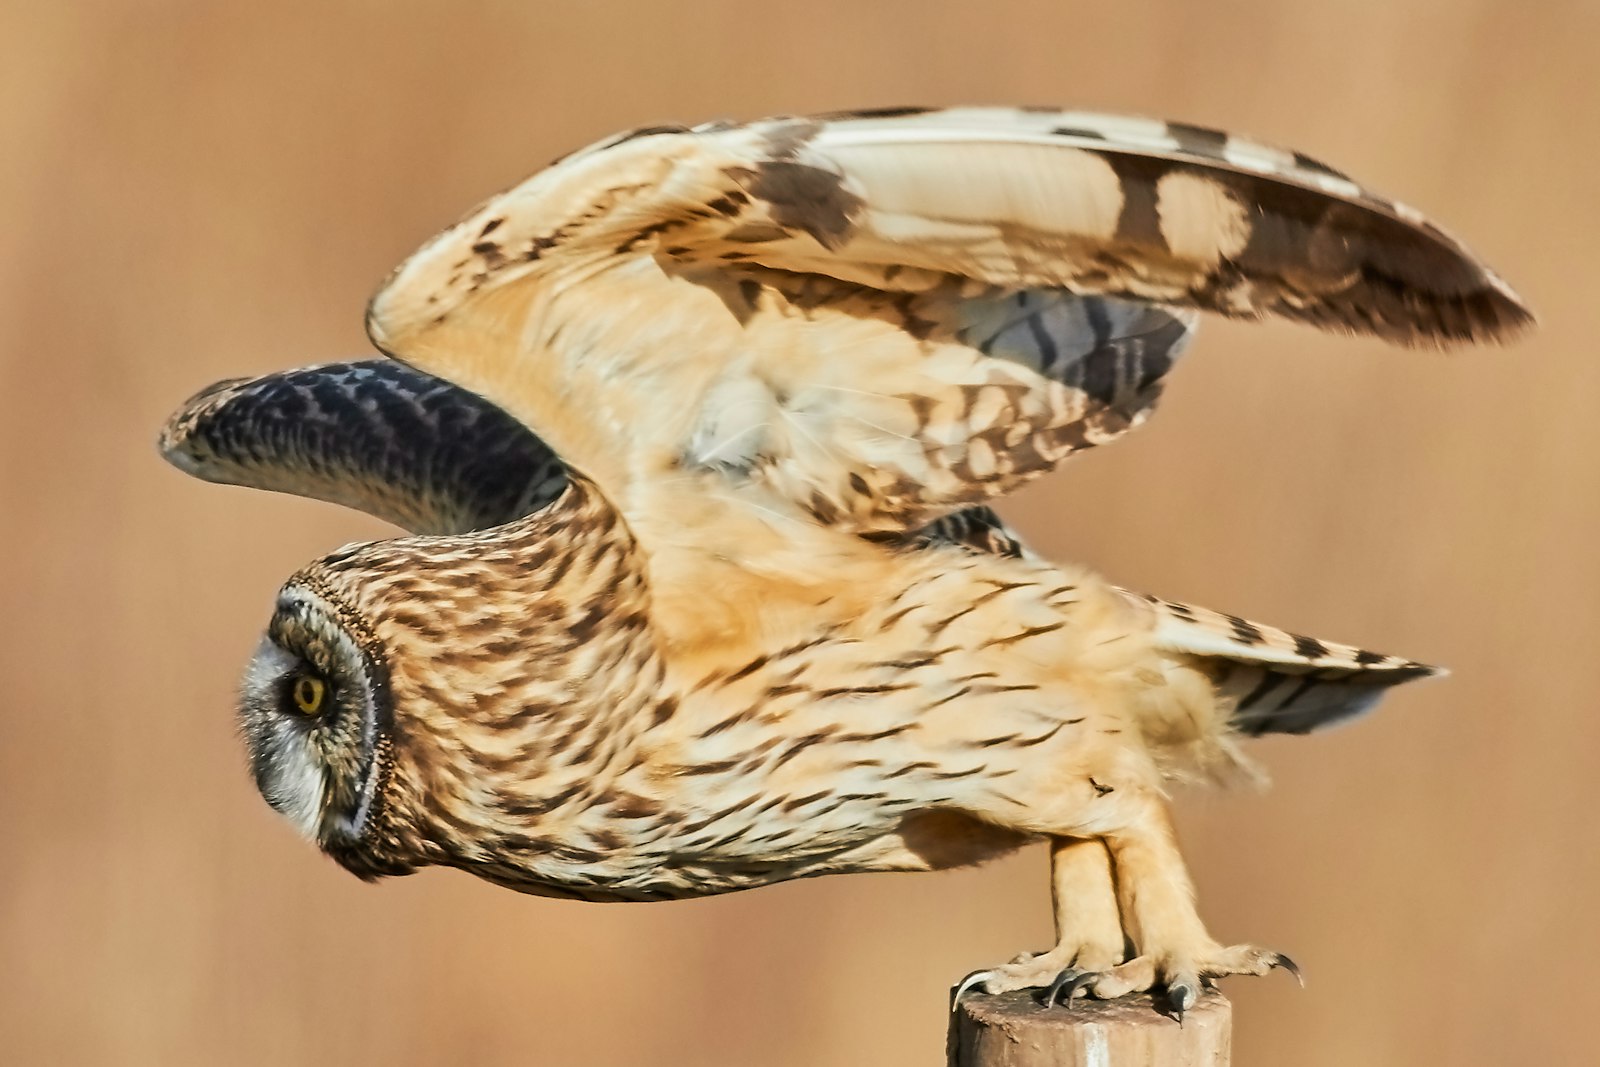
1292 967
966 985
1182 995
1066 986
1066 977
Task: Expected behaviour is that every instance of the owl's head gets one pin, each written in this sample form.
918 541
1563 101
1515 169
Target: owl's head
316 712
402 687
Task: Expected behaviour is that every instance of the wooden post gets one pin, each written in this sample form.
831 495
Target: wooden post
1014 1030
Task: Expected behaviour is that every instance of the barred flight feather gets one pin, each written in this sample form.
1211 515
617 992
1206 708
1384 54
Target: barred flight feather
1277 681
880 318
372 435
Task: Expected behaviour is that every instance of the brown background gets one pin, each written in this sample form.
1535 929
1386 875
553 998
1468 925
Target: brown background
192 191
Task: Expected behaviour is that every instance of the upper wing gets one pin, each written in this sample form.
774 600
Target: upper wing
874 319
373 435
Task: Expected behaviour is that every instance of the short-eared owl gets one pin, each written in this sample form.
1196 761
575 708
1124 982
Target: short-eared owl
694 429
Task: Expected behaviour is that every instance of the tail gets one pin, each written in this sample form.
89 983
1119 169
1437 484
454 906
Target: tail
1278 682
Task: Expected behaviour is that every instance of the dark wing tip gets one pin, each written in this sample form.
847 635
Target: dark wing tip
1506 315
1419 285
1321 249
178 442
1416 317
1476 308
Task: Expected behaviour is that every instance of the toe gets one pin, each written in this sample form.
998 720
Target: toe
1135 976
1098 958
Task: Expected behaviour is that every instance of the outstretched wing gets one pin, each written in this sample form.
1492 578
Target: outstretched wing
871 320
408 448
373 435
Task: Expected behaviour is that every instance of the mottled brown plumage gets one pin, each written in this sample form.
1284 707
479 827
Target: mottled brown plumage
733 651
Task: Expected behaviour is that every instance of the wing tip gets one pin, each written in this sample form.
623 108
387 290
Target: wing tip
1513 316
178 440
1462 300
1493 313
1393 670
372 320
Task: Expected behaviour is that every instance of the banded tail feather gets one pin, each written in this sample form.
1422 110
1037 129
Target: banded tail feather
1282 682
1276 700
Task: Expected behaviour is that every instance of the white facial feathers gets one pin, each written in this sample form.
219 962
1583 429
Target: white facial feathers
284 756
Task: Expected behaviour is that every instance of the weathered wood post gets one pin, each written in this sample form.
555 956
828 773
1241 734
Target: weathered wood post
1014 1030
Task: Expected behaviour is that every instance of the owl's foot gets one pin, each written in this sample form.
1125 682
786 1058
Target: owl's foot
1182 977
1088 931
1041 970
1172 950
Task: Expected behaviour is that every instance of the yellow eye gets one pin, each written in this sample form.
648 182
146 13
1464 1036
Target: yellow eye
308 693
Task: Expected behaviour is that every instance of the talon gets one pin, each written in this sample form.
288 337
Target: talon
1181 996
1291 966
1065 978
1082 981
966 984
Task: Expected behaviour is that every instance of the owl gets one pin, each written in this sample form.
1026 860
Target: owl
695 432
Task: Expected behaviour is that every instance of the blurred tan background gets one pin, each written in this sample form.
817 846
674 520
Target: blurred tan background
193 191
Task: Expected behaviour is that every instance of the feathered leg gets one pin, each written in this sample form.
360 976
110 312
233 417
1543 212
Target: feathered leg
1156 898
1088 930
1085 903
